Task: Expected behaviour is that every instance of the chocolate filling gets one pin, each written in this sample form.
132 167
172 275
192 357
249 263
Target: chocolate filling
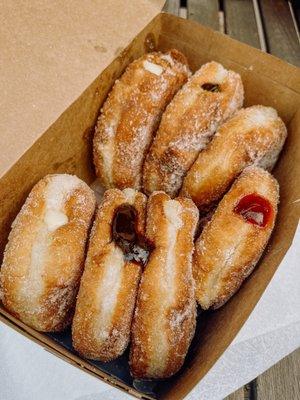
126 236
211 87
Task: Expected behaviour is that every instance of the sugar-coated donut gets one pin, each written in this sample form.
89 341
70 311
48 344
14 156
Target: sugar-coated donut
255 135
209 97
165 314
106 298
44 256
131 114
232 242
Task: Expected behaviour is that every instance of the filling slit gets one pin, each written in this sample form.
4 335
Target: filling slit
211 87
255 209
125 234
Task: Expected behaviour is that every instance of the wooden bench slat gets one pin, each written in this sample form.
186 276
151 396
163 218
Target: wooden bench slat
237 395
280 30
240 22
282 381
297 13
172 7
204 11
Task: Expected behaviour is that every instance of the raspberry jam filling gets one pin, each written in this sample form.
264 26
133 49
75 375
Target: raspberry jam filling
255 209
125 235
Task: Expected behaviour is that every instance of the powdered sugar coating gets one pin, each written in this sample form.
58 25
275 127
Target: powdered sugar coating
106 298
164 320
254 135
229 247
55 219
59 188
113 268
44 255
188 124
153 68
130 116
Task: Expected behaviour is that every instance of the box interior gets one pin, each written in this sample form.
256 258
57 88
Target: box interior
66 147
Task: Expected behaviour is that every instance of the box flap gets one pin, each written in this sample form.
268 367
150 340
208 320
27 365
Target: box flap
50 52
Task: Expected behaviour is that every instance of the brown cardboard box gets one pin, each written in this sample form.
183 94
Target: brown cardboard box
65 146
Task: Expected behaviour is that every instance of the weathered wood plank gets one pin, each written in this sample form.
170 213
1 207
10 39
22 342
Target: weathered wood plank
280 30
238 395
240 22
204 11
247 392
172 7
297 11
282 381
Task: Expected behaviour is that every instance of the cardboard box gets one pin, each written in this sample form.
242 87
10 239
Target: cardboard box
65 146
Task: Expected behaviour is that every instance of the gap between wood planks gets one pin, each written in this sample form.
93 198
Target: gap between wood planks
270 25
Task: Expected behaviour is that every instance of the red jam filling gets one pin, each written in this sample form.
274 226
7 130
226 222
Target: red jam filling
255 209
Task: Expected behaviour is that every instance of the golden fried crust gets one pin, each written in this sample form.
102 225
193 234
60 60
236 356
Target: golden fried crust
44 255
164 319
229 246
188 124
255 135
104 308
131 114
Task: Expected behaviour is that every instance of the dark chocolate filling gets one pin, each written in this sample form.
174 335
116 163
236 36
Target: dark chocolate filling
211 87
126 236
